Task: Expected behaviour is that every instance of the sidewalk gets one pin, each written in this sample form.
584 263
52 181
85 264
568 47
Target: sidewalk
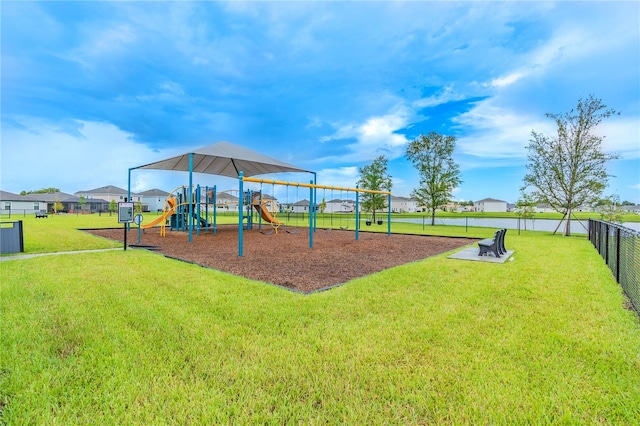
29 256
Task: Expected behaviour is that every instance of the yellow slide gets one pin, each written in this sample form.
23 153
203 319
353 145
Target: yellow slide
171 202
264 212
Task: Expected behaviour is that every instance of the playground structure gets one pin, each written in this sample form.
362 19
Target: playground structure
186 211
312 203
182 205
200 210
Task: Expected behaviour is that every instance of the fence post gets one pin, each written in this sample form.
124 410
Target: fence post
606 243
21 236
617 254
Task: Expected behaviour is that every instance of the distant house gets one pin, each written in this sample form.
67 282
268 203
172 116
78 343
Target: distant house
109 193
338 205
154 199
543 208
403 205
301 206
490 205
71 203
270 202
631 209
31 203
11 203
226 201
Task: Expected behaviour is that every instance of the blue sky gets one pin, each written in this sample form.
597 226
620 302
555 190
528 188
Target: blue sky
91 89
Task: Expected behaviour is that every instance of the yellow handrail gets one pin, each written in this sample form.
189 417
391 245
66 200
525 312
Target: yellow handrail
312 185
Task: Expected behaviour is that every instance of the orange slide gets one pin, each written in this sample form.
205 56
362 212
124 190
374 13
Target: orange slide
264 212
171 202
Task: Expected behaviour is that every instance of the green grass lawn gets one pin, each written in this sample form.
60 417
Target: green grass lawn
135 338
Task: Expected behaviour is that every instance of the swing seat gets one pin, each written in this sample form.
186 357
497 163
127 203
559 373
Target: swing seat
379 222
368 222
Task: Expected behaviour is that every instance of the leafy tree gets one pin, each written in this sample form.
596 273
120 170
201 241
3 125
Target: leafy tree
82 201
57 206
113 206
568 169
432 155
323 205
40 191
375 177
526 207
610 210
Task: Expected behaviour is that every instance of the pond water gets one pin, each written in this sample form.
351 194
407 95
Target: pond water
547 225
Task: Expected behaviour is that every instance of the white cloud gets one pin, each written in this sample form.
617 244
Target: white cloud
446 95
506 80
92 155
101 43
621 136
556 51
168 91
375 136
495 132
345 177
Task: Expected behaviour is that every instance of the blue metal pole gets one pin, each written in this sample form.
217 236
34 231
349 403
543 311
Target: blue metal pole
312 214
215 209
315 196
357 214
197 200
128 226
190 197
206 209
240 209
389 216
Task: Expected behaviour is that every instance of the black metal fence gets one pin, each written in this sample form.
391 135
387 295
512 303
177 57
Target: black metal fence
620 248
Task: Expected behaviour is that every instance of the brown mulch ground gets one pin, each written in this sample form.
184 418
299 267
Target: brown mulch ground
286 259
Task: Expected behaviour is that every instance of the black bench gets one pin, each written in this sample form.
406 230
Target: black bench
41 213
493 245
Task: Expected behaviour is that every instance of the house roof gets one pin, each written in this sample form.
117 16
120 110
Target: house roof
268 197
50 197
224 159
10 196
155 192
490 200
226 196
109 189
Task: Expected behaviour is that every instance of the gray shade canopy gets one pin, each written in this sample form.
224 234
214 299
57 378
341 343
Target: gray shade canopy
225 159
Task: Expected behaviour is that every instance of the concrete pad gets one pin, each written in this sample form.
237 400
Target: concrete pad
471 253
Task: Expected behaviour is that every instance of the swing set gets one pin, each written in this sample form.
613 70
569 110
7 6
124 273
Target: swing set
312 204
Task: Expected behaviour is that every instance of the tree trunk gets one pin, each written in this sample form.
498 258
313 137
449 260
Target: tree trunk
433 217
567 226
